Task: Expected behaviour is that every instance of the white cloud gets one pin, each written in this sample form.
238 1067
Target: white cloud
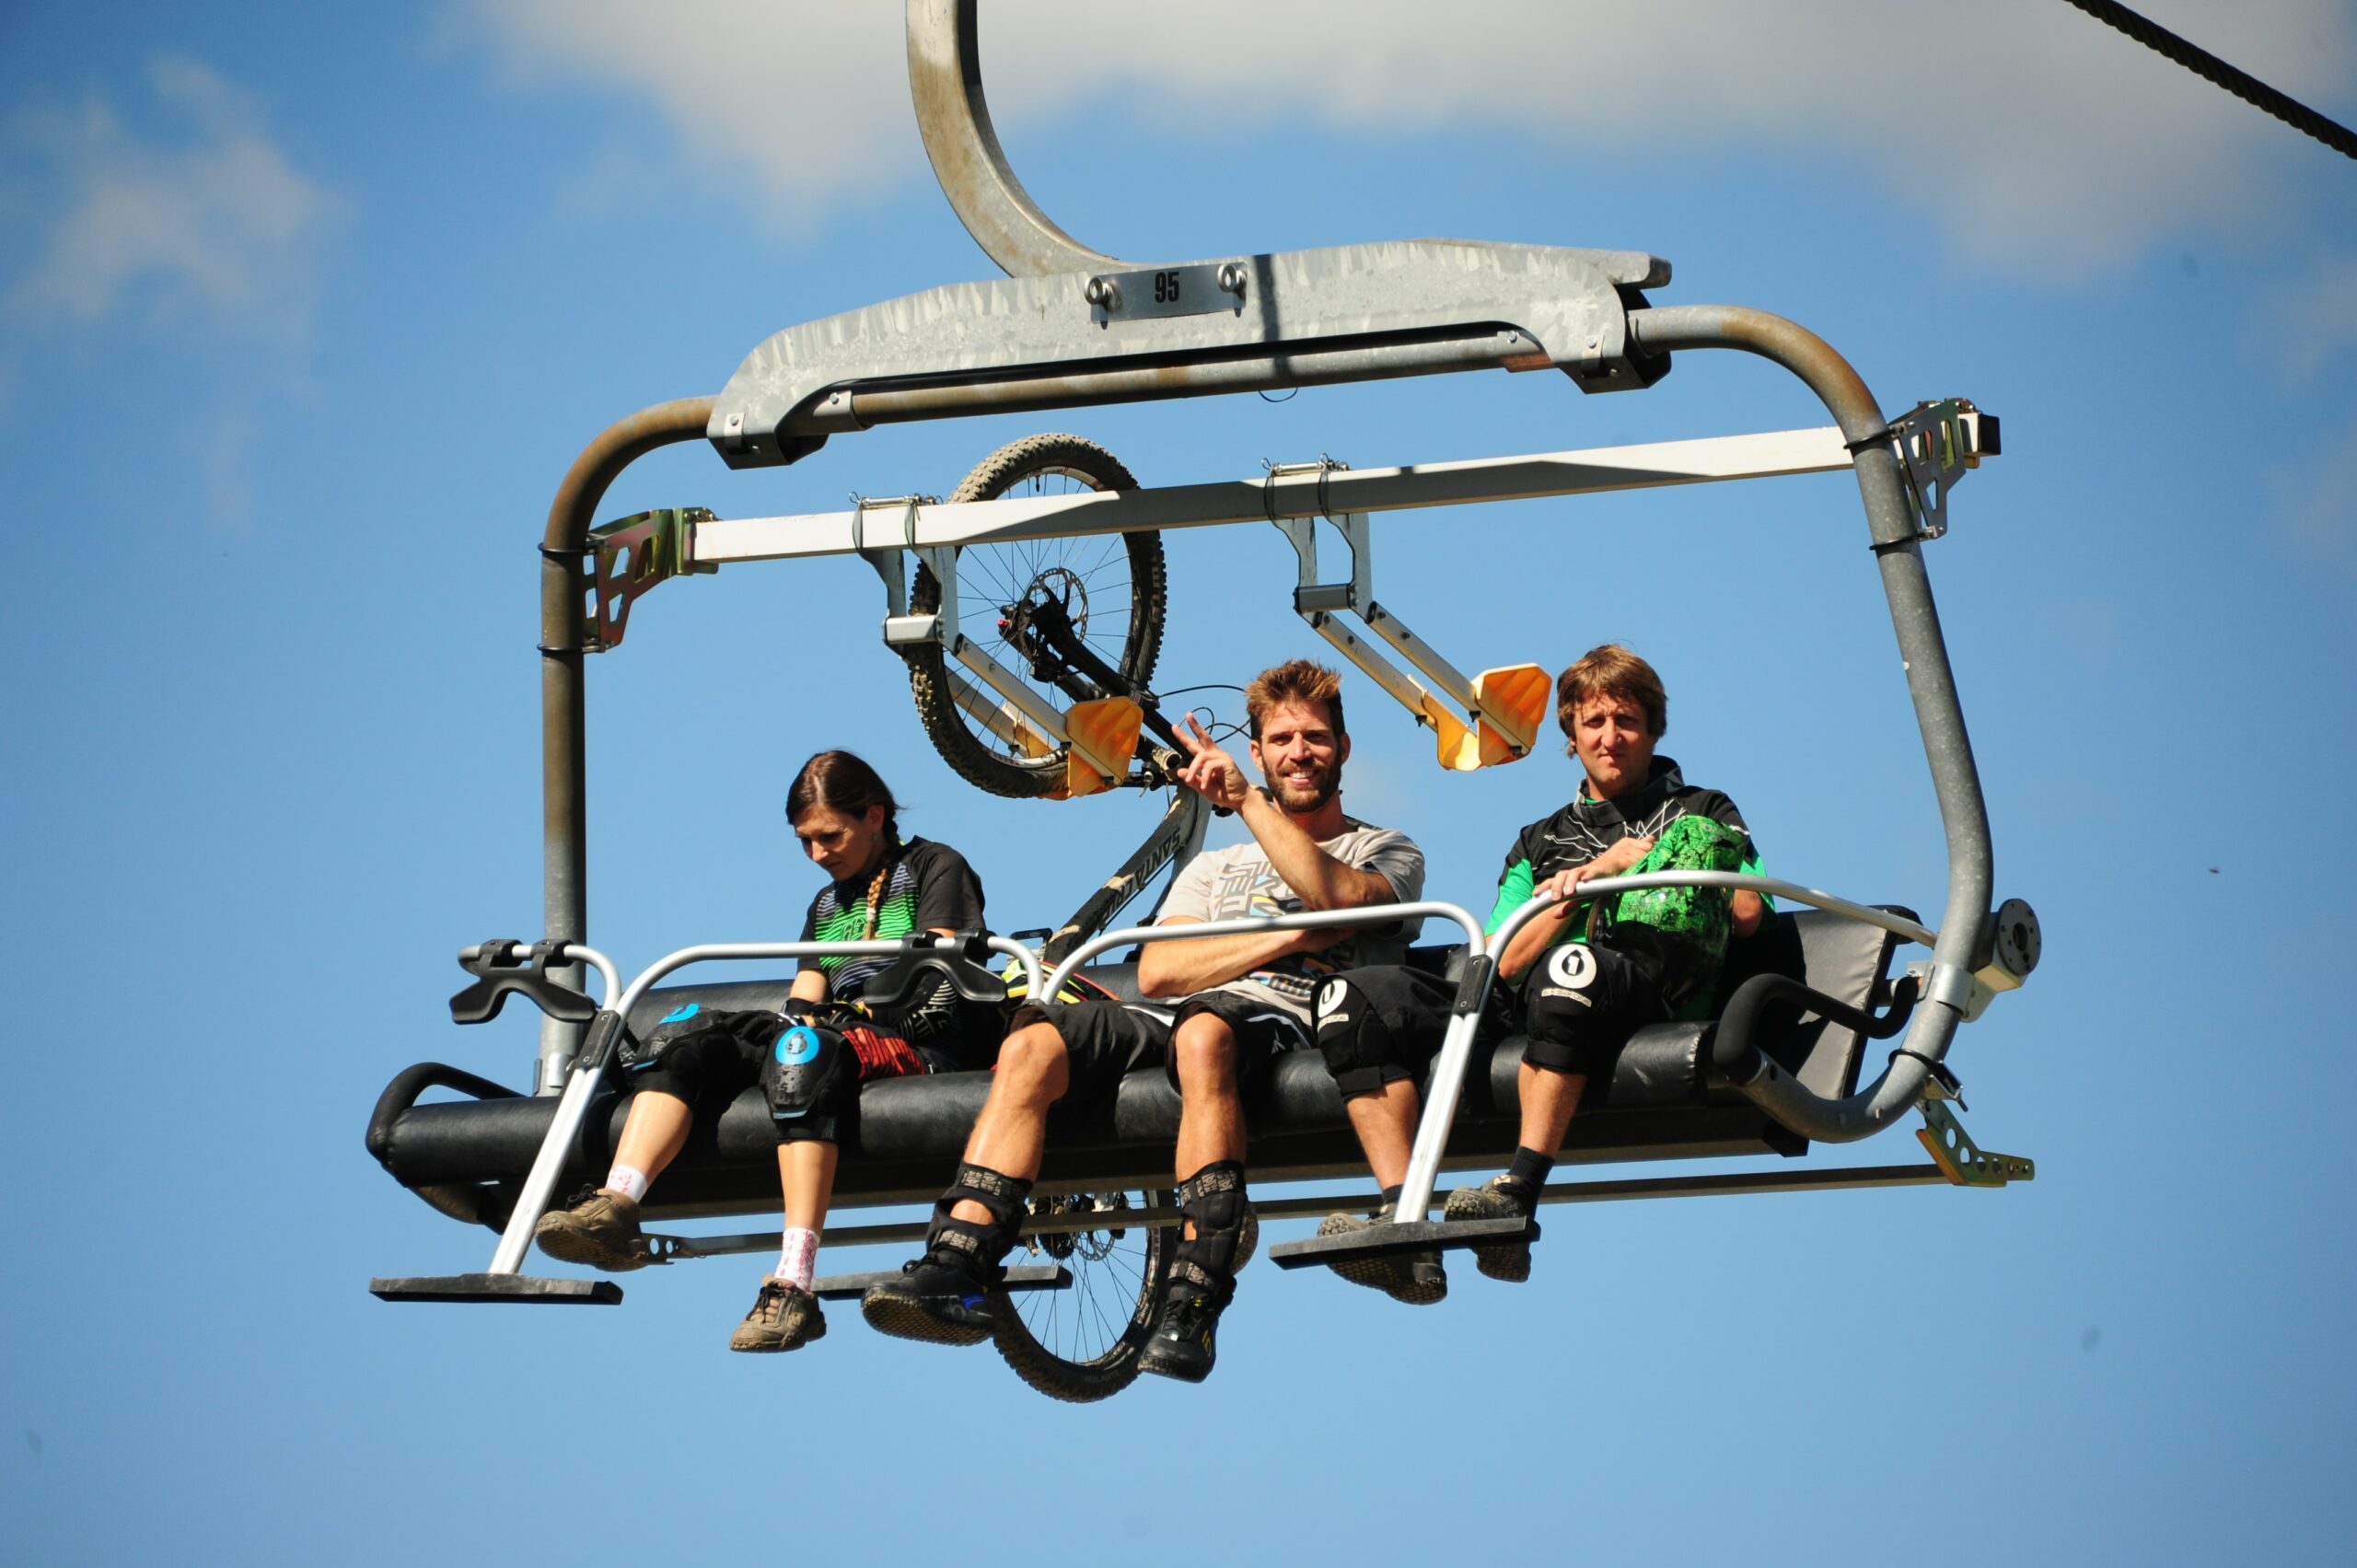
2036 138
213 224
178 220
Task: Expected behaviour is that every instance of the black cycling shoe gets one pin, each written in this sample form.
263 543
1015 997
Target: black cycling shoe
1184 1342
939 1298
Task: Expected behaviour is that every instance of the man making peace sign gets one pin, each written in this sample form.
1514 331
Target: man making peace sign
1234 1002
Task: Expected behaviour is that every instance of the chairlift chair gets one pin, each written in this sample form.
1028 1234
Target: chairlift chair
1033 676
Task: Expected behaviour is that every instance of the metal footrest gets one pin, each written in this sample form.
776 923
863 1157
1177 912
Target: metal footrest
1400 1235
851 1287
497 1287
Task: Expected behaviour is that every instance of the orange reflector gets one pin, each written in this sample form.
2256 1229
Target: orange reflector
1519 695
1104 736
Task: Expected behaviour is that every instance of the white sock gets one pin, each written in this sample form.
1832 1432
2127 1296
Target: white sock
628 1180
795 1264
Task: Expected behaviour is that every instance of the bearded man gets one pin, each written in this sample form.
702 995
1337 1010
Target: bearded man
1236 1002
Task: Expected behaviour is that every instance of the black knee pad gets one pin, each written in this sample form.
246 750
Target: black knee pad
1003 1195
1583 1001
805 1070
1357 1037
1214 1199
677 1045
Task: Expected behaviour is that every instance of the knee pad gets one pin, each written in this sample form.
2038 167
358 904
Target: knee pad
1579 998
805 1070
688 1021
1214 1199
1356 1039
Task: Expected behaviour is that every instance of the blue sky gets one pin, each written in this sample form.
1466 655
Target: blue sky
303 313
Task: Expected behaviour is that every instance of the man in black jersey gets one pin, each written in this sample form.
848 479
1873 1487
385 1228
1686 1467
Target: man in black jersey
1583 975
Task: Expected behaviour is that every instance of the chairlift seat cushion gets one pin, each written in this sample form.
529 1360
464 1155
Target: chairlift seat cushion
1657 1102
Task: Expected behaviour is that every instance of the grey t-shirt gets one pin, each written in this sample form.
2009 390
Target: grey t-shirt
1238 883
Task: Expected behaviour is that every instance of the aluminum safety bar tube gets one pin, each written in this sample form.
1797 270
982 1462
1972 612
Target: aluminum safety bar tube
1930 682
1309 920
581 1085
1733 881
565 819
718 951
1448 1069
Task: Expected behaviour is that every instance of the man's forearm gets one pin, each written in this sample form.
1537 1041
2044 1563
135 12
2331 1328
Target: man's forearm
1181 968
1539 934
1317 878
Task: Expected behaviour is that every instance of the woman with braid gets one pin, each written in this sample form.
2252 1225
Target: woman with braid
809 1059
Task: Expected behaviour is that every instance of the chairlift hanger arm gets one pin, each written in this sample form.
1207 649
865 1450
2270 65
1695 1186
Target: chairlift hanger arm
945 84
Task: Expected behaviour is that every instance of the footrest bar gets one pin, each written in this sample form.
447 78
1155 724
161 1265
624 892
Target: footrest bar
850 1287
533 1288
1397 1237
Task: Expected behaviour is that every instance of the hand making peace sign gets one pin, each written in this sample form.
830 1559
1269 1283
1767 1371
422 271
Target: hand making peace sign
1210 771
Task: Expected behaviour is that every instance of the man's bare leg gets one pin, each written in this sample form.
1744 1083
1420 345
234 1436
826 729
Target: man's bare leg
1385 1123
1548 1101
1011 1134
946 1296
1210 1111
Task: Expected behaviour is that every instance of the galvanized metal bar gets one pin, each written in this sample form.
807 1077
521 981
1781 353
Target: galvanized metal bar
1272 1210
1309 920
945 84
863 408
1292 495
1939 712
565 584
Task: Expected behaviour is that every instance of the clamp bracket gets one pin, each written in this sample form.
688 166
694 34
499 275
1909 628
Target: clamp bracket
632 556
1937 444
1961 1160
1490 718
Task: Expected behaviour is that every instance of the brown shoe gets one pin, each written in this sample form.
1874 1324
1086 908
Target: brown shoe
784 1317
601 1231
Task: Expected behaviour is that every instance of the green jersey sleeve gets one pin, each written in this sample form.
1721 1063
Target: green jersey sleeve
1513 891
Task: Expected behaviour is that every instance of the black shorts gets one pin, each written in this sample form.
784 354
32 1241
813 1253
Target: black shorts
1580 1003
711 1059
1381 1025
1104 1040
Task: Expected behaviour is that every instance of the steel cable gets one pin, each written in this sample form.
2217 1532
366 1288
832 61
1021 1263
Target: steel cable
2243 84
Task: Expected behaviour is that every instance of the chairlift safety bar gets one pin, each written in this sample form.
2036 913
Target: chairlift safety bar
582 1080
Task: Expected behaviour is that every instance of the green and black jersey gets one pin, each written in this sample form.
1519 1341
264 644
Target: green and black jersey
1585 828
925 887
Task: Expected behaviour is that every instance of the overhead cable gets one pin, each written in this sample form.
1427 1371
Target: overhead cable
2243 84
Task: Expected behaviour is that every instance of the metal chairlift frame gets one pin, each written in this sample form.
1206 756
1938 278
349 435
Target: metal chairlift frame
1070 327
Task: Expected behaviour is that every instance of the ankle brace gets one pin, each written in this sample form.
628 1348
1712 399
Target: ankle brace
983 1244
1214 1199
